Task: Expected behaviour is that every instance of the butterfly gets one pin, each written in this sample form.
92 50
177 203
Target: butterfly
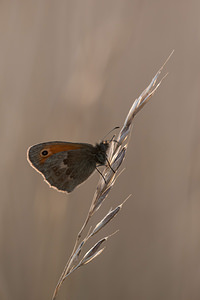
65 165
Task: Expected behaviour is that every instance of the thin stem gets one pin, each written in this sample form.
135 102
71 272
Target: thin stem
116 155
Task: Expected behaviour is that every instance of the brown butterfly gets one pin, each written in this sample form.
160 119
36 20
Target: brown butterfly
65 165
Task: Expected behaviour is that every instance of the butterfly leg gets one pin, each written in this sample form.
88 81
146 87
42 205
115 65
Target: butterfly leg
110 165
101 174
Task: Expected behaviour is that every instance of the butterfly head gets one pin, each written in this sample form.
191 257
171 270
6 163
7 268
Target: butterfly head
101 150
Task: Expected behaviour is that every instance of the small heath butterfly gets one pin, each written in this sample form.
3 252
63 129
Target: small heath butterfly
65 165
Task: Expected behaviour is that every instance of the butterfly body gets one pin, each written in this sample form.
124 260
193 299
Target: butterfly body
65 165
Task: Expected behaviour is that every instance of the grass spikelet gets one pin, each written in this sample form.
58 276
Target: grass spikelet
116 155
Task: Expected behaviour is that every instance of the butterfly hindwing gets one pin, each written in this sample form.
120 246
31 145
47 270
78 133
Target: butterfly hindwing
66 170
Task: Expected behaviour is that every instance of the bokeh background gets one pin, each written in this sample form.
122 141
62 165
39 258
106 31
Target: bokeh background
69 70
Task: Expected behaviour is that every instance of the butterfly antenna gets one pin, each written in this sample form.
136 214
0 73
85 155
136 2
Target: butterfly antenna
110 132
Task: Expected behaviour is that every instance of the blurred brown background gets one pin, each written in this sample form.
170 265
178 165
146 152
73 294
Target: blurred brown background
69 70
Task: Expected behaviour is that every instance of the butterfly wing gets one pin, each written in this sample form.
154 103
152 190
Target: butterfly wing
66 165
